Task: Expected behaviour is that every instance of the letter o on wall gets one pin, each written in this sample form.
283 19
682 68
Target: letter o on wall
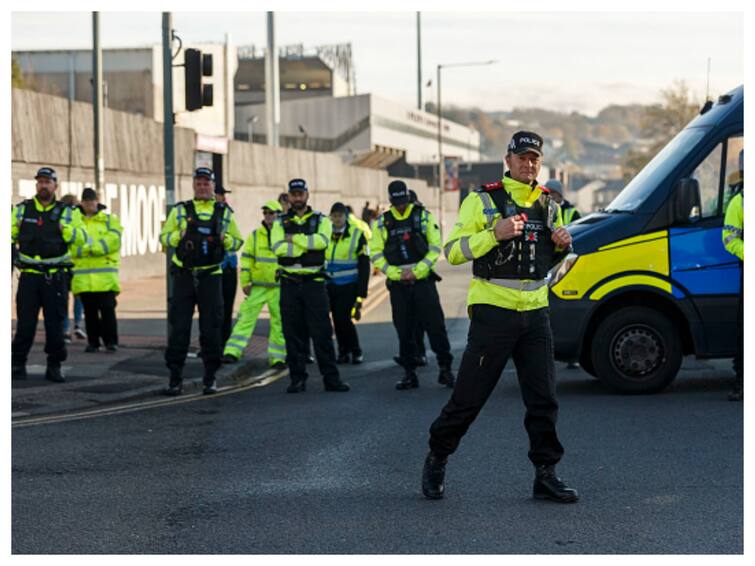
151 223
141 210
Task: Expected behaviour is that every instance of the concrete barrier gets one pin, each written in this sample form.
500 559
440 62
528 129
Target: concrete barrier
49 130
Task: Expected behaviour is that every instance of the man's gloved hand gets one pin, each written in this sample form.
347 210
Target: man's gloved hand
356 310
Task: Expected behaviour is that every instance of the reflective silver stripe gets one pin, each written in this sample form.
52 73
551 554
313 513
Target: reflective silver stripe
354 239
337 274
435 249
488 208
245 269
407 266
266 259
306 268
310 241
95 270
447 248
73 236
290 249
79 251
466 251
244 254
384 269
239 337
342 262
729 238
518 284
278 244
427 262
104 247
263 284
49 261
377 256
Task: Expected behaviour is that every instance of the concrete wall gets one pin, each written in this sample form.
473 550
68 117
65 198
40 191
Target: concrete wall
48 130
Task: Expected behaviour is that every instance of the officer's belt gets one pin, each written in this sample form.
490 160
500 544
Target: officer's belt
517 284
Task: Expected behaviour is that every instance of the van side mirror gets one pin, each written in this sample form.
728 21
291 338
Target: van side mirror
687 201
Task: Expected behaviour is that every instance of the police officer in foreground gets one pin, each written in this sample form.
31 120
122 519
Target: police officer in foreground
733 236
43 229
259 282
95 272
299 239
405 247
512 233
200 231
348 269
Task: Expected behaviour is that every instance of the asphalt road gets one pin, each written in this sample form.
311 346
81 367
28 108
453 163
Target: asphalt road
266 472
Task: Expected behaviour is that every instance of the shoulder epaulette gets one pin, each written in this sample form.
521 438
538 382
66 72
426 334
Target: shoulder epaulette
492 186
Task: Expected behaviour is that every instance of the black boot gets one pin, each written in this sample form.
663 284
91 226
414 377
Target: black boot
54 374
297 386
446 376
548 486
175 385
432 476
210 386
18 372
357 357
337 386
410 381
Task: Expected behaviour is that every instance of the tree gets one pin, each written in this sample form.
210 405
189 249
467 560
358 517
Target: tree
660 123
17 76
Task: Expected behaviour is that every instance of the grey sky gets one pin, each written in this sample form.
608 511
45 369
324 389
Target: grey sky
563 61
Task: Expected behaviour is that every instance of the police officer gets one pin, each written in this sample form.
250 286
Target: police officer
43 230
261 287
230 274
405 246
95 272
733 236
512 233
299 239
348 267
569 212
200 231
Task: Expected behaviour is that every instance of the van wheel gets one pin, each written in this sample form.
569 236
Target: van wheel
637 350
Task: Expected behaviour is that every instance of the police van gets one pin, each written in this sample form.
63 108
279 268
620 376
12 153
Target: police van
650 281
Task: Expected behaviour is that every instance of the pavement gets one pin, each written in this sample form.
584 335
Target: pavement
260 471
137 370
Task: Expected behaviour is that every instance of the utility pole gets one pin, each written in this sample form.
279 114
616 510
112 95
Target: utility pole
168 142
99 162
441 208
272 84
419 63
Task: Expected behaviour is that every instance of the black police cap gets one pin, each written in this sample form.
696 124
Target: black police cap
338 207
88 194
204 172
524 141
398 192
297 185
47 172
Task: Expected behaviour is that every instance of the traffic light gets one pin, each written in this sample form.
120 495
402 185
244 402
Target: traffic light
196 66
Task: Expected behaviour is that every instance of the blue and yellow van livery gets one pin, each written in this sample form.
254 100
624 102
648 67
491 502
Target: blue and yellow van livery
650 280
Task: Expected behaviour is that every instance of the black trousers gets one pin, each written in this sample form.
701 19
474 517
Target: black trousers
342 299
204 291
413 304
304 314
49 293
495 334
230 284
99 317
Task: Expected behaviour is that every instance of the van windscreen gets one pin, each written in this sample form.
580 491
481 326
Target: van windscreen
635 193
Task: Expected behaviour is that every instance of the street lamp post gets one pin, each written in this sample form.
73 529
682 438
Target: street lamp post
250 122
441 203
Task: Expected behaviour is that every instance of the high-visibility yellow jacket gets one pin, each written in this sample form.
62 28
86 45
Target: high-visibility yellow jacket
347 258
95 262
258 262
71 229
472 237
422 268
170 236
733 234
300 243
361 224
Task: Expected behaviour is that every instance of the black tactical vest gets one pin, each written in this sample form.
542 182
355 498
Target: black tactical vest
39 234
406 242
529 256
310 258
202 245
